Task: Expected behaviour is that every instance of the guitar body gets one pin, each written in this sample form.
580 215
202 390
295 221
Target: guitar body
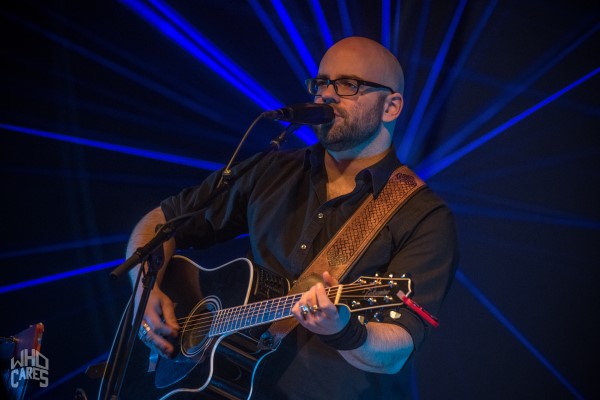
212 368
222 313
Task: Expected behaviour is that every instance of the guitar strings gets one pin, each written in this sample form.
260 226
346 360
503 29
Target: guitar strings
236 318
348 289
261 307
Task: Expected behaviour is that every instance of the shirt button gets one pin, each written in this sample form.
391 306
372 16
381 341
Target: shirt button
303 246
320 215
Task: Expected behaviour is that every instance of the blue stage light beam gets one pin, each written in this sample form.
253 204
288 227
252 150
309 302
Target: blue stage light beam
182 33
441 97
57 277
121 70
296 38
466 282
169 29
518 87
396 31
525 216
67 377
386 30
154 155
345 18
52 248
413 60
409 137
221 58
279 41
427 172
321 21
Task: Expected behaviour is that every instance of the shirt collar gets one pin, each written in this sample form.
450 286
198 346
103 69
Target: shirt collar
378 174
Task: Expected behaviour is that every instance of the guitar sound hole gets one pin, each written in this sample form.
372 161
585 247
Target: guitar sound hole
195 330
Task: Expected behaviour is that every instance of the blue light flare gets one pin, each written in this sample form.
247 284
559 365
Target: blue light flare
386 30
129 74
155 155
321 22
441 97
396 31
345 17
180 31
51 248
427 171
287 21
413 61
517 88
192 46
67 377
462 278
410 134
279 41
525 216
57 277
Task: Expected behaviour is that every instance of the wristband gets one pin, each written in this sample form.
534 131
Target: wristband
351 337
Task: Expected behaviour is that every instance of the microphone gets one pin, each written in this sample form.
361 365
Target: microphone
303 113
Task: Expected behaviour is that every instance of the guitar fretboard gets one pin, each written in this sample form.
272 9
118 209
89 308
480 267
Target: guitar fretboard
247 316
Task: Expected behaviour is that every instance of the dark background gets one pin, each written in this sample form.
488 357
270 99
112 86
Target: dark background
501 118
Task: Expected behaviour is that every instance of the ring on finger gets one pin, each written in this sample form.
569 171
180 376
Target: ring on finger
143 331
314 309
305 309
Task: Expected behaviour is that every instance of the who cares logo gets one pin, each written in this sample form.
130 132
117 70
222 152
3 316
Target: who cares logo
31 365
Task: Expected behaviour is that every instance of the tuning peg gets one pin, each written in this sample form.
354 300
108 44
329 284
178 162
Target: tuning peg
354 304
378 316
391 275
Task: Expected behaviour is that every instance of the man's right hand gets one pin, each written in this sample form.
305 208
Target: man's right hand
159 317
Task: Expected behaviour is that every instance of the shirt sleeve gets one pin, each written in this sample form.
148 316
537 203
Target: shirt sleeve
427 252
216 218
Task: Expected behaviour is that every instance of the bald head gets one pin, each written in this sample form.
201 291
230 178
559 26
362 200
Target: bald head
364 59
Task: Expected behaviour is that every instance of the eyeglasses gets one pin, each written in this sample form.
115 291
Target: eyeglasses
342 86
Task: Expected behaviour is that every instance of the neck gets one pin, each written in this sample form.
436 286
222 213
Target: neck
351 166
341 173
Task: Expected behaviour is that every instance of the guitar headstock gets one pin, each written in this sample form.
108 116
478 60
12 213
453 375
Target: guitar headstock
371 294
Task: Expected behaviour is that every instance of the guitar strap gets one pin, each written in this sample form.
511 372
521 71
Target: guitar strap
349 243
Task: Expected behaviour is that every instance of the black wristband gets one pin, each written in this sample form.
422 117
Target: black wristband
351 337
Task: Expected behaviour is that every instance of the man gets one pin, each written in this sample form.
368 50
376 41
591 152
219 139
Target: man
291 203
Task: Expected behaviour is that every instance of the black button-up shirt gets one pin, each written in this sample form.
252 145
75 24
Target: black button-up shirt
281 201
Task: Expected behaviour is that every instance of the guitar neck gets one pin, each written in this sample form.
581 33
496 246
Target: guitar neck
234 319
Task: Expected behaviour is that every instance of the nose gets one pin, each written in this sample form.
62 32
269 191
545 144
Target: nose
329 95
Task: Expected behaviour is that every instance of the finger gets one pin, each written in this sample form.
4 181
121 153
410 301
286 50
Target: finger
169 318
156 318
329 280
311 297
163 346
296 310
325 304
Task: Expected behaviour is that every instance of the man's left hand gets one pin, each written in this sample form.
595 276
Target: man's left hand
317 313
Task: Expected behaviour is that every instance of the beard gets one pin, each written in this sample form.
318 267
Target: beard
351 130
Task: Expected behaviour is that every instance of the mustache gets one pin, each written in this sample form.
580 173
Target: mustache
339 112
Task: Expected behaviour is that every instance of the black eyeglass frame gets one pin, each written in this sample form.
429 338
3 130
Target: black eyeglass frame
333 82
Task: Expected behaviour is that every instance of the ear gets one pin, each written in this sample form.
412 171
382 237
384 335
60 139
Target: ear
392 107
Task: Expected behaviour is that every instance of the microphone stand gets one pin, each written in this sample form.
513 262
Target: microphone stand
152 254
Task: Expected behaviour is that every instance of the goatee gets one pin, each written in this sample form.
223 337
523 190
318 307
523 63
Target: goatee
350 131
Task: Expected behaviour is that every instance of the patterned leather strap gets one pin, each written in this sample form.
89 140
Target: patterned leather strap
350 242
